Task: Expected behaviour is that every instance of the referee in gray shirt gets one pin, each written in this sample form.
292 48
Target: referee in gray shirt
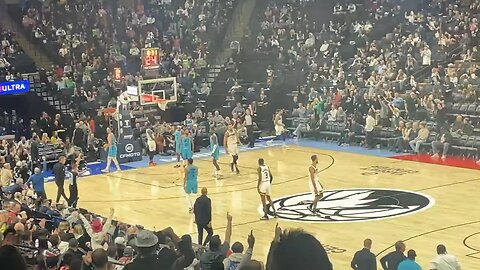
249 126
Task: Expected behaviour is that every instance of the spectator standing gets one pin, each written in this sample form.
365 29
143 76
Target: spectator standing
59 173
444 261
409 263
34 154
249 126
203 216
411 105
369 127
426 54
97 231
394 258
38 182
78 137
364 259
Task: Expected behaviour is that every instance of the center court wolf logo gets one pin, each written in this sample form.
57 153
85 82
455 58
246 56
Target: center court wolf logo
352 205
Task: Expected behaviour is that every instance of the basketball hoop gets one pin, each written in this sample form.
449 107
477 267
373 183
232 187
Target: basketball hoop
162 104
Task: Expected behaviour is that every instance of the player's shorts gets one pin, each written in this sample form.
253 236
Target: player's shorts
178 149
232 149
279 130
265 188
152 146
318 187
216 154
191 187
186 154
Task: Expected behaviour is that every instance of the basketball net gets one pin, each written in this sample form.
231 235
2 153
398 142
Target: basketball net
162 104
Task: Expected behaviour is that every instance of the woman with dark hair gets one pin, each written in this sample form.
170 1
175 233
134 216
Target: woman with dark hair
48 252
187 259
296 249
11 258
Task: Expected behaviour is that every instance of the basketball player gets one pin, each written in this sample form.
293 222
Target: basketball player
111 148
215 148
264 187
314 183
279 126
151 146
230 142
186 147
177 137
190 182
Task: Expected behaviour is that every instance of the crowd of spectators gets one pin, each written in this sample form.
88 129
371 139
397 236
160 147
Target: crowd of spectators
364 92
9 49
367 78
39 235
88 39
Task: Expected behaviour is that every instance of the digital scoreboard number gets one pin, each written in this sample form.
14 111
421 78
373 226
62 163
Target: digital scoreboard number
117 74
151 58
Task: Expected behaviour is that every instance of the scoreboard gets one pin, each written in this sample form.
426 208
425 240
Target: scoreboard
151 58
117 74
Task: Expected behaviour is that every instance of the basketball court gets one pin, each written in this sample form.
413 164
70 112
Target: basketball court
380 198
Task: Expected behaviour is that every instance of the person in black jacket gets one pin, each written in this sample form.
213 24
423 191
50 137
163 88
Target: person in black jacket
34 151
364 259
59 173
79 137
394 258
73 252
203 216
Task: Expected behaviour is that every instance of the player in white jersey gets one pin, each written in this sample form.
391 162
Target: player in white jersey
264 187
230 142
314 183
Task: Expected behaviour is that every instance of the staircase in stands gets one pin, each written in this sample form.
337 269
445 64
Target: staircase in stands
41 90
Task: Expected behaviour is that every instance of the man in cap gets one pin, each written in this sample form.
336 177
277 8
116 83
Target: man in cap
146 243
409 263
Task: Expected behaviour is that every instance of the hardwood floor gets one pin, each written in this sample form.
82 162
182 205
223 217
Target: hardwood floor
379 198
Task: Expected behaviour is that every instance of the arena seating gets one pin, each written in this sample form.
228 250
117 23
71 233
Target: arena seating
406 70
13 61
370 63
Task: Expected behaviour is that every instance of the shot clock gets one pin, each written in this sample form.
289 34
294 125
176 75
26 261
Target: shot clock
150 58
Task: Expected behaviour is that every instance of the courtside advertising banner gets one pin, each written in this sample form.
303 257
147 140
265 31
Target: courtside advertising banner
15 87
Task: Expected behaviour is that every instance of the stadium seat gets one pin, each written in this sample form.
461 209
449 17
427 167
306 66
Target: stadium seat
456 107
463 108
